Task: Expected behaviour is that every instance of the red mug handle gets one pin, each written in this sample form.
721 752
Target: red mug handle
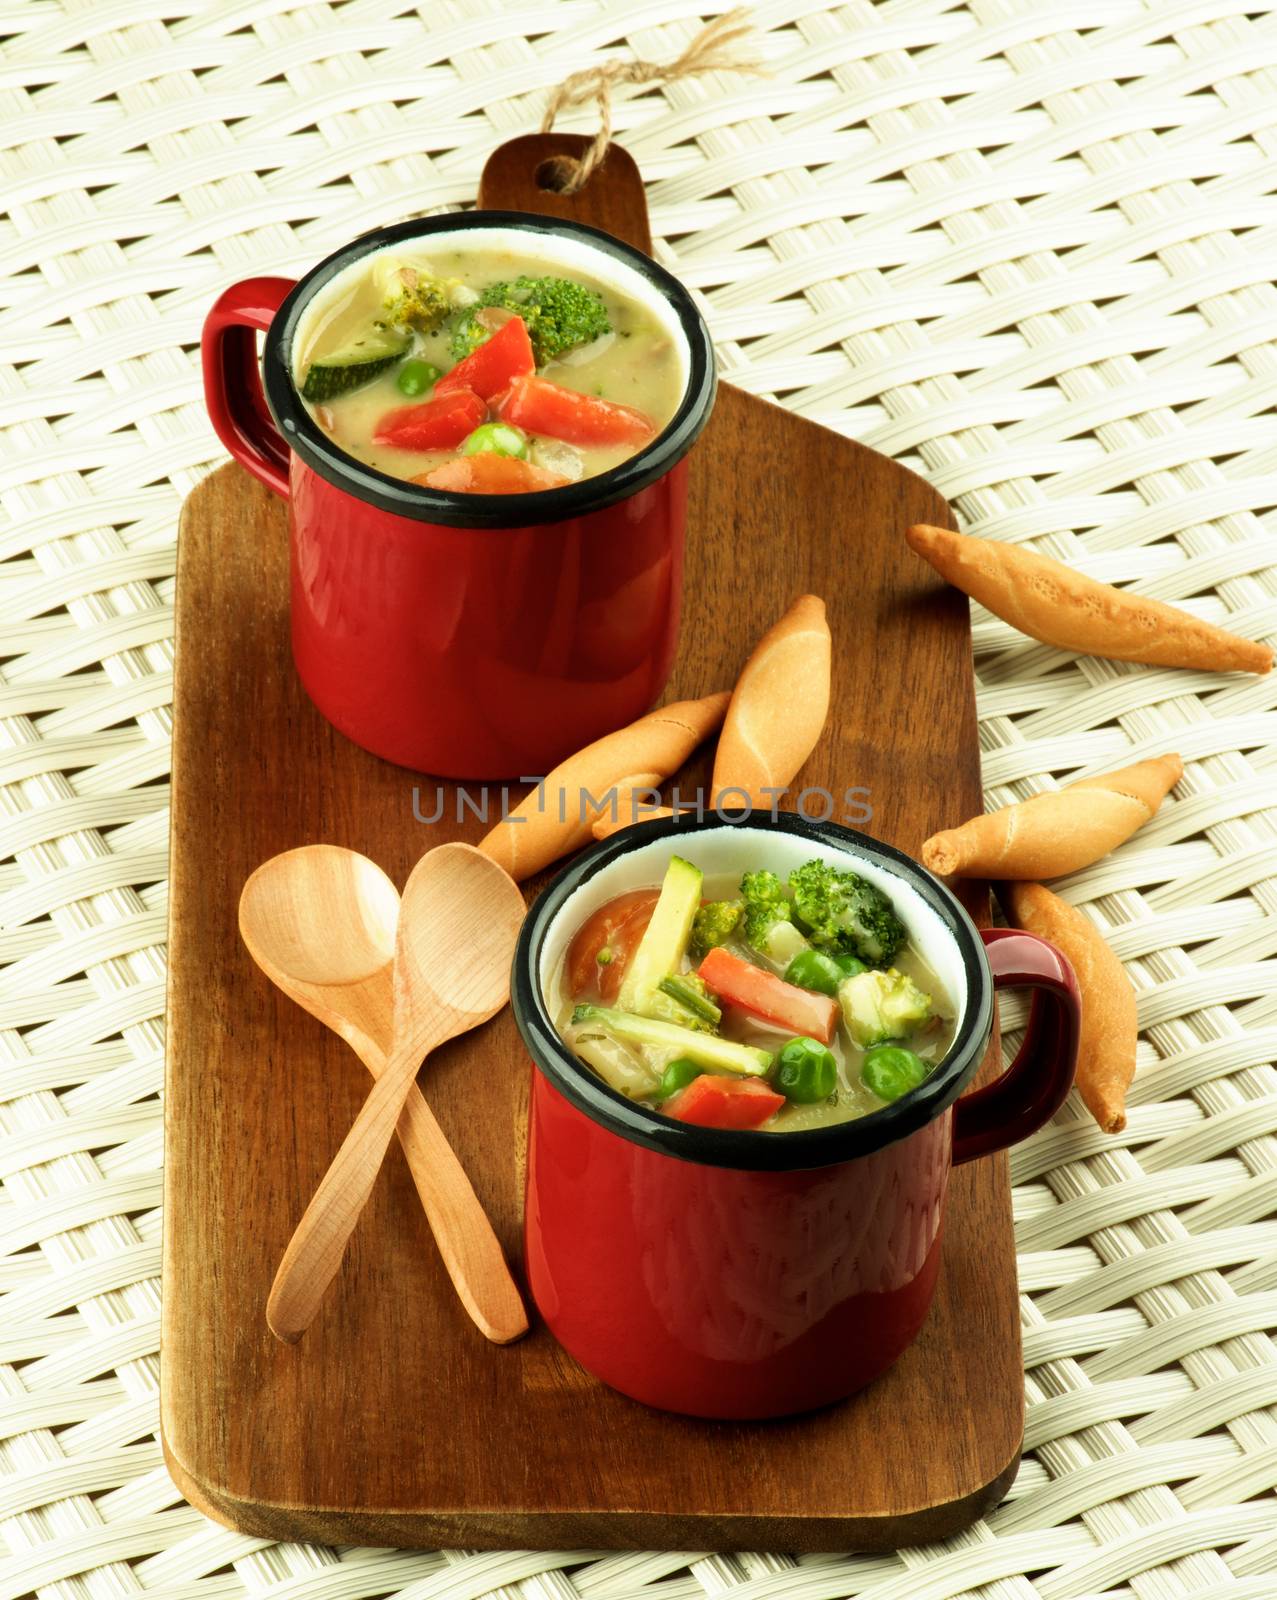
233 379
1034 1086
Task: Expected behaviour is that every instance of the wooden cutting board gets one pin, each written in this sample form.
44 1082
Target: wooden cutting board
393 1422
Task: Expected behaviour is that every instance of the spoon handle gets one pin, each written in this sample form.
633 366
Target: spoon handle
467 1245
319 1240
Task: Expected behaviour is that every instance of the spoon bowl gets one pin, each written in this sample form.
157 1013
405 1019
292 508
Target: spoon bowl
322 914
456 938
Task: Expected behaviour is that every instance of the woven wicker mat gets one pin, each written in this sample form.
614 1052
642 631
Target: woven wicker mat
1023 245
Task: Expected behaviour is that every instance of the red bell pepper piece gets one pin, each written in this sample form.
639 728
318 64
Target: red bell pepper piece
618 926
494 365
769 997
538 406
489 473
440 423
716 1102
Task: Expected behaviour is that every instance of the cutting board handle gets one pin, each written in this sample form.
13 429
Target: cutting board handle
612 199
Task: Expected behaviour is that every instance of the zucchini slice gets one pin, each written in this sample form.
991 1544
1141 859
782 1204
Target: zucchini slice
662 947
355 365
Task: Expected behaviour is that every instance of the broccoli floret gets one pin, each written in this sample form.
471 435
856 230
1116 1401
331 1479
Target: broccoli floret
760 887
878 1006
559 314
842 911
768 921
713 925
765 905
414 299
468 333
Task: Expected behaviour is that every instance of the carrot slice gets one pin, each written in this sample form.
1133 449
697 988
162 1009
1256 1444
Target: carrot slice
488 473
538 406
714 1102
742 984
439 423
494 365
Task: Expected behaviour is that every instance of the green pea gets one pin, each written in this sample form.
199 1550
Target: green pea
849 966
415 377
805 1071
676 1076
812 969
498 438
889 1070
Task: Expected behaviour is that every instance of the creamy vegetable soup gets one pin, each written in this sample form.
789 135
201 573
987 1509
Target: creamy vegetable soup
472 365
765 1003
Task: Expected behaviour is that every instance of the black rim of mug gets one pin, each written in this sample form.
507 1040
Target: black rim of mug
750 1150
421 504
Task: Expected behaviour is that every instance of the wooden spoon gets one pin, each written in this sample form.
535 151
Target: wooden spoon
290 912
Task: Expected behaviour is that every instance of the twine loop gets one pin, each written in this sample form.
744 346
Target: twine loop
712 50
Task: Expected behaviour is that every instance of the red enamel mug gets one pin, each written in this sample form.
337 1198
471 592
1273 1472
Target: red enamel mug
751 1274
472 636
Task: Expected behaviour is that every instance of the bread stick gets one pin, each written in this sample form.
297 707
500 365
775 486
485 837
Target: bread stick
634 803
556 818
1106 1048
778 707
1051 602
1057 832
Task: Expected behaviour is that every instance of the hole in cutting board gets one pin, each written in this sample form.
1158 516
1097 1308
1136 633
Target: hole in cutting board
548 175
